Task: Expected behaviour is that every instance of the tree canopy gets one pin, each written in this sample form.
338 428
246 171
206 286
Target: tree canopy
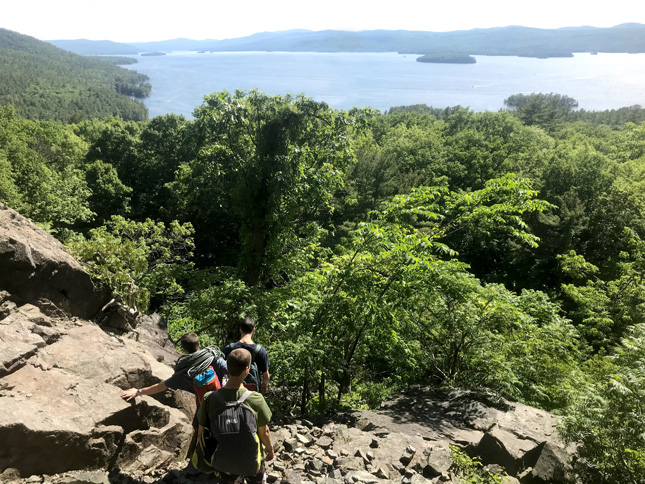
497 252
44 82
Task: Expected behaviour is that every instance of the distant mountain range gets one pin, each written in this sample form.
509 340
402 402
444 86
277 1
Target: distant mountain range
512 40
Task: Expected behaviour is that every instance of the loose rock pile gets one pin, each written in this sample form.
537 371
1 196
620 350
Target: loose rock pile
384 446
358 451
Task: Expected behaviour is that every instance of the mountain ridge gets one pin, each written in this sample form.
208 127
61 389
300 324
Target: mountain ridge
508 40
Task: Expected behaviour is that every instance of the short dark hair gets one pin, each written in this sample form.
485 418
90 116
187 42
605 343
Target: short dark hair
247 325
189 342
237 361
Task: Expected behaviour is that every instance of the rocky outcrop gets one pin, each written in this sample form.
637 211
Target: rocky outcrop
62 410
408 441
34 266
61 375
61 405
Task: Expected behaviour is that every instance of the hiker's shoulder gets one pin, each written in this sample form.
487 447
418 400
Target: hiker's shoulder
237 344
247 346
214 399
259 406
256 400
256 397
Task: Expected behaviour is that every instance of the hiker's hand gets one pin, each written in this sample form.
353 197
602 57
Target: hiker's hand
269 454
128 395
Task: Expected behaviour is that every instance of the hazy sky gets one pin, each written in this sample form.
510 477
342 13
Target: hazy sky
142 20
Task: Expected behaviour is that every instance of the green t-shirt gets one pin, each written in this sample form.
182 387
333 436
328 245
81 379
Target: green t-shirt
255 401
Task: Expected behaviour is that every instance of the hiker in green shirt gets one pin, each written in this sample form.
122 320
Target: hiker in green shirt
229 454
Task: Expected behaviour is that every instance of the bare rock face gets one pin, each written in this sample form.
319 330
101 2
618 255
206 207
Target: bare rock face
34 265
61 405
61 376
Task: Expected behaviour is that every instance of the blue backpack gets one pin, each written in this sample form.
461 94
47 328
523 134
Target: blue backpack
206 382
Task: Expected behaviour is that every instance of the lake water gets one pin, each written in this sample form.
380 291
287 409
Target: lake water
180 80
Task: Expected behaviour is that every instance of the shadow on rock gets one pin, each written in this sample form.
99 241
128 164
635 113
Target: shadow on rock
174 476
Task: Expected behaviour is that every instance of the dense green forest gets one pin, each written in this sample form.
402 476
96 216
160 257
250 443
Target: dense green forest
115 59
500 252
44 82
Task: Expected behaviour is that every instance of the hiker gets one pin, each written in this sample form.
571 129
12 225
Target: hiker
198 371
258 378
244 441
191 369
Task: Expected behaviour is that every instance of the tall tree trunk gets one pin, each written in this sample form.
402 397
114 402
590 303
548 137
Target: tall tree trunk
304 398
321 391
345 383
256 254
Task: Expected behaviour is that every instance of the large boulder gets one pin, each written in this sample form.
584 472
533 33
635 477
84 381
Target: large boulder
35 266
546 464
61 405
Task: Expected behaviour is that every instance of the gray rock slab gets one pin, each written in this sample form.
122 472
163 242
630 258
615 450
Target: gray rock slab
438 460
548 463
324 442
291 477
362 477
350 463
63 409
34 265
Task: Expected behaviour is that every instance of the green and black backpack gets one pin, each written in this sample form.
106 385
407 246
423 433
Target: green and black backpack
235 428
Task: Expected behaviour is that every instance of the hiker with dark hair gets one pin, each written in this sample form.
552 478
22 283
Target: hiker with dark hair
198 367
189 342
198 371
258 378
238 419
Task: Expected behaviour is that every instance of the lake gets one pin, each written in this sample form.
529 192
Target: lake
180 80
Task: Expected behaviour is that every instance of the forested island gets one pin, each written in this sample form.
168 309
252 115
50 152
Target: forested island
444 58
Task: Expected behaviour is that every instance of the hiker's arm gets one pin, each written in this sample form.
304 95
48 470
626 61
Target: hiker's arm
265 381
221 369
200 431
265 438
129 394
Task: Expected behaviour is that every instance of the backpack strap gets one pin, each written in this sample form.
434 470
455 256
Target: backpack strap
244 397
220 397
225 402
255 352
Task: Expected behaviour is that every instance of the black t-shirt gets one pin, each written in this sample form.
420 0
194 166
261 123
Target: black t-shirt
261 359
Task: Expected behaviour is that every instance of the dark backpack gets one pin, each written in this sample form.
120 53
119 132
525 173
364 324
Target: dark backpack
253 381
234 427
206 382
202 458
